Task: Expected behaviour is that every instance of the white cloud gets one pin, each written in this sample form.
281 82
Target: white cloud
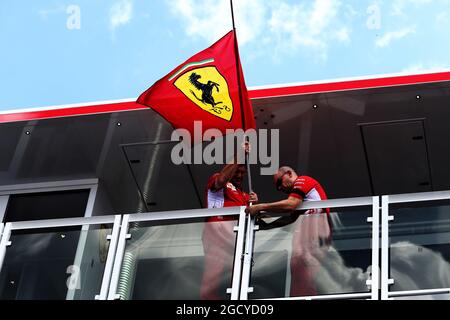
351 11
388 37
342 34
283 26
120 13
290 28
322 14
296 25
212 19
399 6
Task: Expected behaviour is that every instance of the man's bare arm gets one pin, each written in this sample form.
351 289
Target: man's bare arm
284 206
229 170
225 175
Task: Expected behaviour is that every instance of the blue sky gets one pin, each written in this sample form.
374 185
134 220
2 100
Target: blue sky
63 52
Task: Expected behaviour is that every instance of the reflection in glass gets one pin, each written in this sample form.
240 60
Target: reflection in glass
190 260
315 255
55 264
420 246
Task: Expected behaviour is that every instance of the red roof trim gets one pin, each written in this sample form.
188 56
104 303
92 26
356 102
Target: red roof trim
350 85
253 94
67 112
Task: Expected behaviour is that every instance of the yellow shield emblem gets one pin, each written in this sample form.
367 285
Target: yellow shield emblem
208 89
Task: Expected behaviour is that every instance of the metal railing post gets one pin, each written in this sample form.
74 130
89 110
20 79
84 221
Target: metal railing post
118 258
248 258
385 218
374 282
238 255
5 242
113 238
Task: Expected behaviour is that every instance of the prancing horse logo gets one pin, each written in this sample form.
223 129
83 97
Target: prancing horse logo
208 89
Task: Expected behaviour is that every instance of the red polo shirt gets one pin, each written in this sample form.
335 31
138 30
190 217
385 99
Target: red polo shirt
308 189
228 196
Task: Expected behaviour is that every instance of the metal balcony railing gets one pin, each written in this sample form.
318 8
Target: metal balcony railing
131 256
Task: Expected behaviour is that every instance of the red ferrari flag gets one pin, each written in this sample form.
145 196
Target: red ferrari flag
204 88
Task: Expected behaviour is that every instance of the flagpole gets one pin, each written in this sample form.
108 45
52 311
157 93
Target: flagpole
241 99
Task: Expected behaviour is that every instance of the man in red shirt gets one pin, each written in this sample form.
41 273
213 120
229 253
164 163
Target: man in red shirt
224 189
312 232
